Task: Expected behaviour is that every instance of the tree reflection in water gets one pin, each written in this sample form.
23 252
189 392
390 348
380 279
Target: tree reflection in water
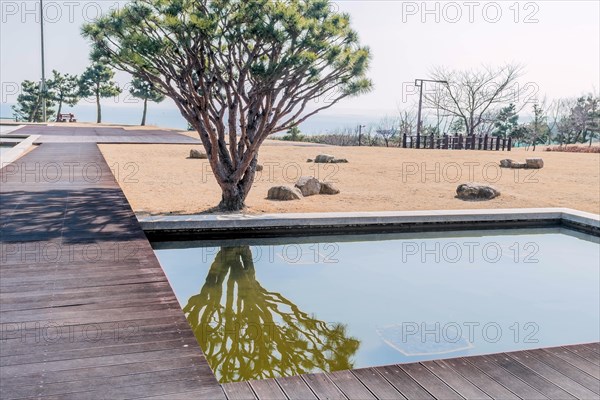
247 332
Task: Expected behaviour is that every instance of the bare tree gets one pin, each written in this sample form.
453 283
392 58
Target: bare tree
554 111
387 130
407 123
433 100
473 95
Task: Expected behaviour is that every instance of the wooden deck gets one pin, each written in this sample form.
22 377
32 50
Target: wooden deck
570 372
86 311
69 134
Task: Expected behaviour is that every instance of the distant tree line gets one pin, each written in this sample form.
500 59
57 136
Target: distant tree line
67 90
486 101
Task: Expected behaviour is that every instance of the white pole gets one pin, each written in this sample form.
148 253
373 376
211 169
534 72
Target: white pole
43 91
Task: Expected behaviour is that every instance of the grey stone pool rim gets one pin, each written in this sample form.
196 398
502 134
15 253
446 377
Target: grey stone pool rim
232 226
22 144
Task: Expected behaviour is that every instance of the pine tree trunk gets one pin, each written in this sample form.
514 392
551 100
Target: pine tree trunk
34 113
59 110
98 110
232 198
145 111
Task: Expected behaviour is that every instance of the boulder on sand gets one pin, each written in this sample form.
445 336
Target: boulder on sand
476 191
324 158
328 188
198 154
518 165
534 163
328 159
530 163
308 185
284 193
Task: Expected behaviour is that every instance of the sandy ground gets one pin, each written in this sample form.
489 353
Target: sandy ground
159 179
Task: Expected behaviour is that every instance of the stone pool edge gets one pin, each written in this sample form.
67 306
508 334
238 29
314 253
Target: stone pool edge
220 225
21 148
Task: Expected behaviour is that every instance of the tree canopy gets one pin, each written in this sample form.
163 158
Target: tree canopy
29 102
64 89
97 81
507 121
144 90
237 70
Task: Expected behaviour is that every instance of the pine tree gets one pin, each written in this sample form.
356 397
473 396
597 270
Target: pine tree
64 89
29 102
506 122
238 71
538 131
146 91
96 81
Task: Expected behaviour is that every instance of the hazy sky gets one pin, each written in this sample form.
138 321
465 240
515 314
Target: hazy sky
558 42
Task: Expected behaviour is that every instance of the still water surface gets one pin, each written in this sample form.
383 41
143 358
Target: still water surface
280 307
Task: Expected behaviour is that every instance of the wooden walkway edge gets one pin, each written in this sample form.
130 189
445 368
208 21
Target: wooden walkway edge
569 372
86 311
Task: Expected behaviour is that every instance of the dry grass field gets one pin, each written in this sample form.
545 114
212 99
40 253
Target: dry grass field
160 179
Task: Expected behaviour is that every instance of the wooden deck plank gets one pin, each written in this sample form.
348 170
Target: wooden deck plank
191 395
129 350
585 353
432 383
350 385
50 389
593 346
238 391
267 389
575 360
456 381
322 387
528 376
479 379
99 373
178 388
295 388
553 375
567 369
403 382
377 384
505 378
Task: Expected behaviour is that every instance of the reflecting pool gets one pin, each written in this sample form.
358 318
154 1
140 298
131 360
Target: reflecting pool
266 308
